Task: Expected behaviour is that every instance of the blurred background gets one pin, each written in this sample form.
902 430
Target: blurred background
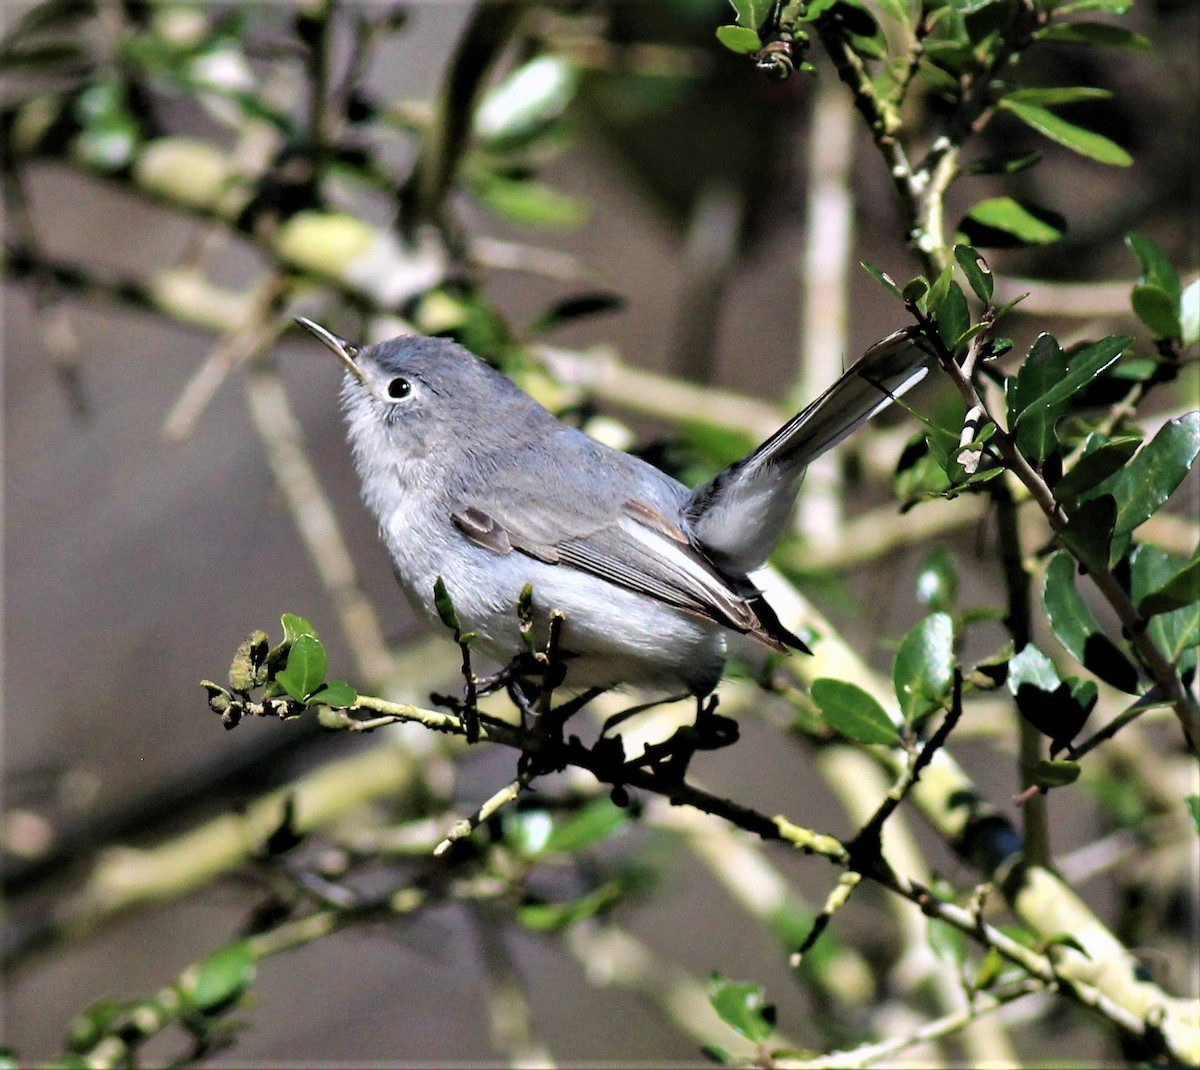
135 560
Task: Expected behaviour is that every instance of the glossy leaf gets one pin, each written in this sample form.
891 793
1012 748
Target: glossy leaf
937 582
976 271
924 667
1101 457
1088 534
1040 373
1143 486
305 669
295 626
1103 34
849 709
882 277
1077 138
743 1007
1177 633
1057 708
1076 627
1023 223
952 316
1082 367
1180 591
336 693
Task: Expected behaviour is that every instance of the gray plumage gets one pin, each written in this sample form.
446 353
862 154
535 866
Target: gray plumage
473 481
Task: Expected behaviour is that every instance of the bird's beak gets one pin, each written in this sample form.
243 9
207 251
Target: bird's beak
343 350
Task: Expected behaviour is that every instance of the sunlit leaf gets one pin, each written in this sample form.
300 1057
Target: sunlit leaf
1040 373
305 669
1077 138
739 39
976 270
1143 486
924 667
1082 367
1023 223
849 709
743 1007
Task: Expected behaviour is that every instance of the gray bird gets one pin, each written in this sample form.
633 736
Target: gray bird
473 481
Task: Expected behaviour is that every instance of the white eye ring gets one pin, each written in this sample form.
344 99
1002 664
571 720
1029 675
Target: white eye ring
399 388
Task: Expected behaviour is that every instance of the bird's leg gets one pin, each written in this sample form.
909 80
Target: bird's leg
624 715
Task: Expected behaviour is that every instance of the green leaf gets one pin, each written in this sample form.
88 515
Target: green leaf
1049 773
1057 708
1085 142
1181 590
976 271
882 277
1143 486
1117 7
1156 309
753 13
1101 457
924 667
1022 222
1082 367
336 693
849 709
1040 373
742 1006
1077 629
1088 534
1094 33
937 582
1157 270
596 821
739 39
294 627
1193 805
1177 633
952 316
214 983
444 605
527 202
550 917
305 670
1004 164
1061 94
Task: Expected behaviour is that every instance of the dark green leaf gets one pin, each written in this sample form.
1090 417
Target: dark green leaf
1041 372
305 670
742 1007
739 39
1157 270
1088 534
216 982
939 288
1193 805
1143 486
1101 457
915 290
714 1053
1076 628
976 270
1157 311
1023 223
1082 367
952 316
1008 164
1076 138
881 277
924 667
1056 708
444 605
850 710
991 966
1055 774
336 693
937 583
1177 633
1094 33
1181 590
294 627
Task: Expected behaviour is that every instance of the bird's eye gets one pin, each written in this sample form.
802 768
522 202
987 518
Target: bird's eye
399 388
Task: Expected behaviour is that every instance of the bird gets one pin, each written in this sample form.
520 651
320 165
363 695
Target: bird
476 484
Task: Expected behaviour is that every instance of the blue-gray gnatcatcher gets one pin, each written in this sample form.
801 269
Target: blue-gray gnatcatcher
473 481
